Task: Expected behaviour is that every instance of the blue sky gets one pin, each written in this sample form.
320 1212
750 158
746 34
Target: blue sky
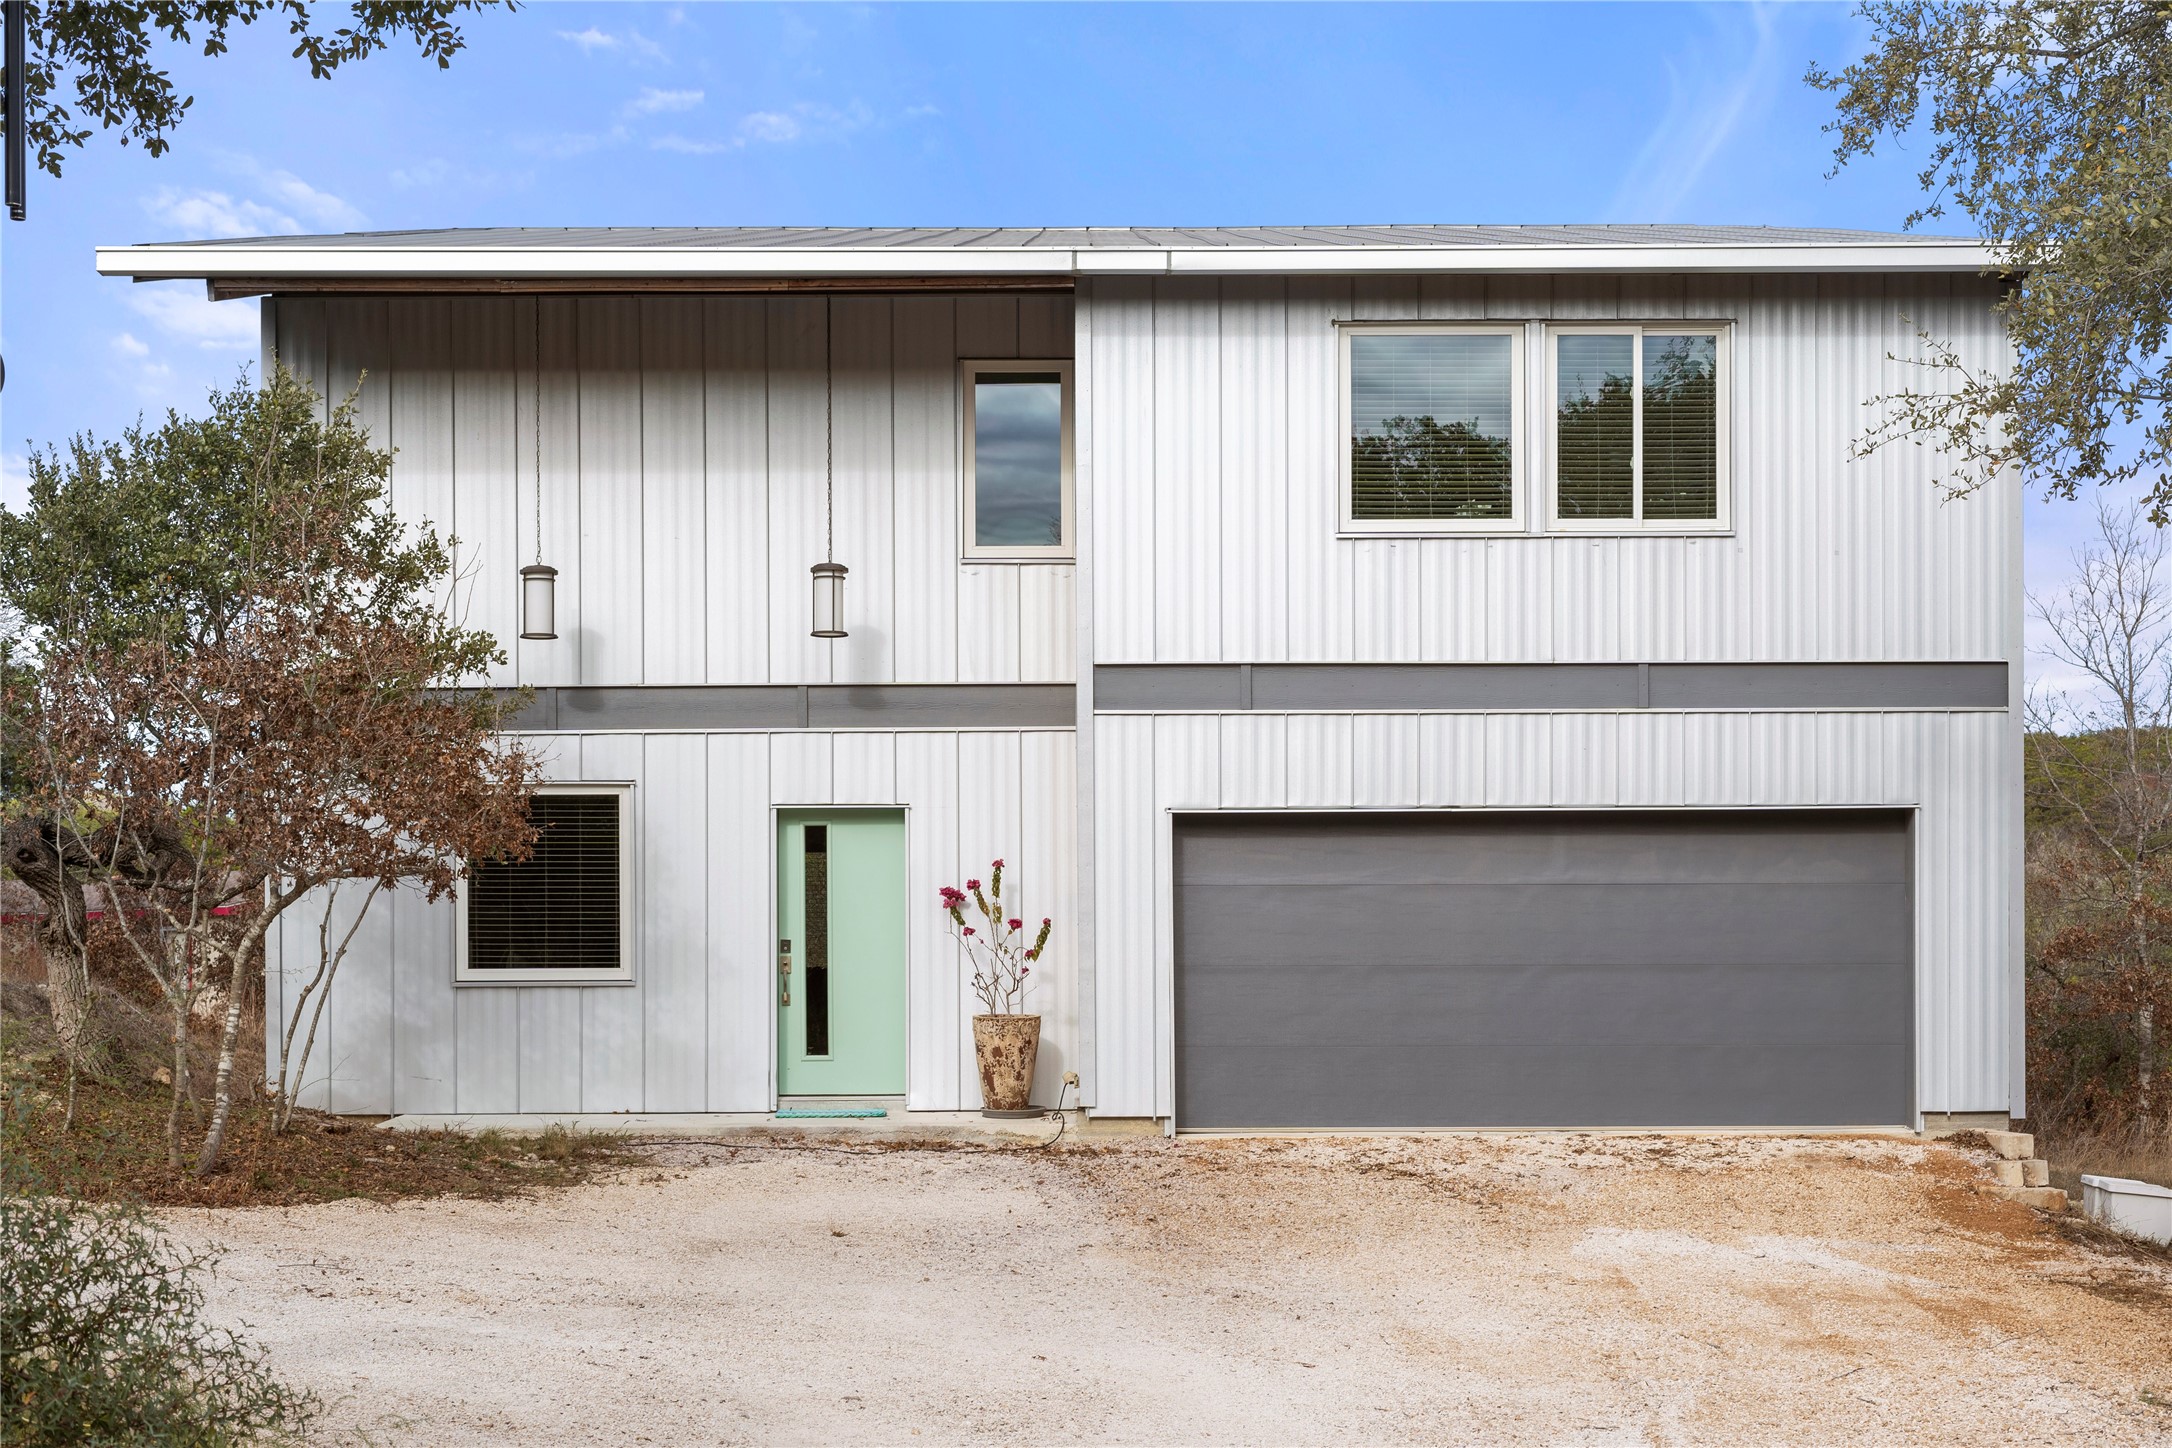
933 114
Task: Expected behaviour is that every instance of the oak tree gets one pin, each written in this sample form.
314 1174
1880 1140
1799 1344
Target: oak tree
2049 124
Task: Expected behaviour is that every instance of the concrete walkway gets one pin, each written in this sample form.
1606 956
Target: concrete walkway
897 1124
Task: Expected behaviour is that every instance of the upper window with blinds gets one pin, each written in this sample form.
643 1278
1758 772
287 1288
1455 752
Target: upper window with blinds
1432 428
1639 427
559 916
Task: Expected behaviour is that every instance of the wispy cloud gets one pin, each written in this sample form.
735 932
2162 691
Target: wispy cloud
285 189
127 345
269 202
593 41
1708 97
184 314
688 146
808 121
567 144
653 102
203 213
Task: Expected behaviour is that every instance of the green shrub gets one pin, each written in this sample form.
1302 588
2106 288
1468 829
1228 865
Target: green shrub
103 1341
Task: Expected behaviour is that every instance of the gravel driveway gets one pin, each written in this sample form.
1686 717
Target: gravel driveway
1555 1290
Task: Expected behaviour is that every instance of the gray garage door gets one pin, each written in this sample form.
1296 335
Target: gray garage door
1543 969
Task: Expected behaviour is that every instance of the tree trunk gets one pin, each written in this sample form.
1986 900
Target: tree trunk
2145 1074
177 1007
222 1090
63 937
67 991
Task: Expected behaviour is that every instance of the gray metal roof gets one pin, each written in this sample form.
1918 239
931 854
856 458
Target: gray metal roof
1083 238
511 258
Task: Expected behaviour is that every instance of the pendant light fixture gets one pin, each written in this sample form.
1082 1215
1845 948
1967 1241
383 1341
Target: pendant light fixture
538 581
829 574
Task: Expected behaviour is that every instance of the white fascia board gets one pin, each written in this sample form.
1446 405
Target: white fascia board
153 262
1964 256
147 263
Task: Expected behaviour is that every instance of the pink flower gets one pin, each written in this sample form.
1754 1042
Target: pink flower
1025 970
1046 921
969 930
999 864
972 884
1013 924
1032 955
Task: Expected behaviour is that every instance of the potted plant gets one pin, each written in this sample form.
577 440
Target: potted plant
1006 1039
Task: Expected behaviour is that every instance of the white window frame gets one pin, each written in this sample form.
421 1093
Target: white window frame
1723 391
968 374
1518 431
623 974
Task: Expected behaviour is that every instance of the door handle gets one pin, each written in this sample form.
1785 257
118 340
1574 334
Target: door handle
784 971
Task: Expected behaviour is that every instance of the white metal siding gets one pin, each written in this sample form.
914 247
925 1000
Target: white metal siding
1216 487
682 494
693 1032
1955 768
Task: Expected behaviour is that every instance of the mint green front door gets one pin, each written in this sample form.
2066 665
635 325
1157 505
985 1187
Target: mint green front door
841 953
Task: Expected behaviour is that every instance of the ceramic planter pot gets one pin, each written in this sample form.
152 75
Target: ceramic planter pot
1005 1047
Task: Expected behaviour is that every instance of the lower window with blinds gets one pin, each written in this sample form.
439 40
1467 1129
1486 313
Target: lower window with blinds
561 915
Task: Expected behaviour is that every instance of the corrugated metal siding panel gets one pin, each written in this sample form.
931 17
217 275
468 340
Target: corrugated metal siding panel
1944 764
924 442
683 476
674 922
485 452
739 951
1832 557
798 432
1316 598
608 331
936 996
614 1045
735 481
1185 536
559 660
1253 529
673 487
1127 1011
693 1032
860 351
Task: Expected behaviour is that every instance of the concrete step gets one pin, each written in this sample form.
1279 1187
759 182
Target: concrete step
2043 1199
2034 1172
2011 1145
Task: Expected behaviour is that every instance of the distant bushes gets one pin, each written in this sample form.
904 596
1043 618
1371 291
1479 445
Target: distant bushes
103 1339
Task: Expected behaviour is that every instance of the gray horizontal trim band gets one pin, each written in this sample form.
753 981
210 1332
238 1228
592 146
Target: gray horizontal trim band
802 706
1551 686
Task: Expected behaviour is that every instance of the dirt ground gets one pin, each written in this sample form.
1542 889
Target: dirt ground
1448 1290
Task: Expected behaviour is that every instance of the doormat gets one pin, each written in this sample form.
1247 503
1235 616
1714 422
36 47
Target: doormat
803 1113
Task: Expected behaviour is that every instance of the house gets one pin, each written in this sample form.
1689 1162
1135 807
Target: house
1431 675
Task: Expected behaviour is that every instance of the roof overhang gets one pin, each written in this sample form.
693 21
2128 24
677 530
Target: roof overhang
234 269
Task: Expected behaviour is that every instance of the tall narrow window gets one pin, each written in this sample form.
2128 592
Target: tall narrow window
817 878
559 915
1640 427
1432 415
1018 459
